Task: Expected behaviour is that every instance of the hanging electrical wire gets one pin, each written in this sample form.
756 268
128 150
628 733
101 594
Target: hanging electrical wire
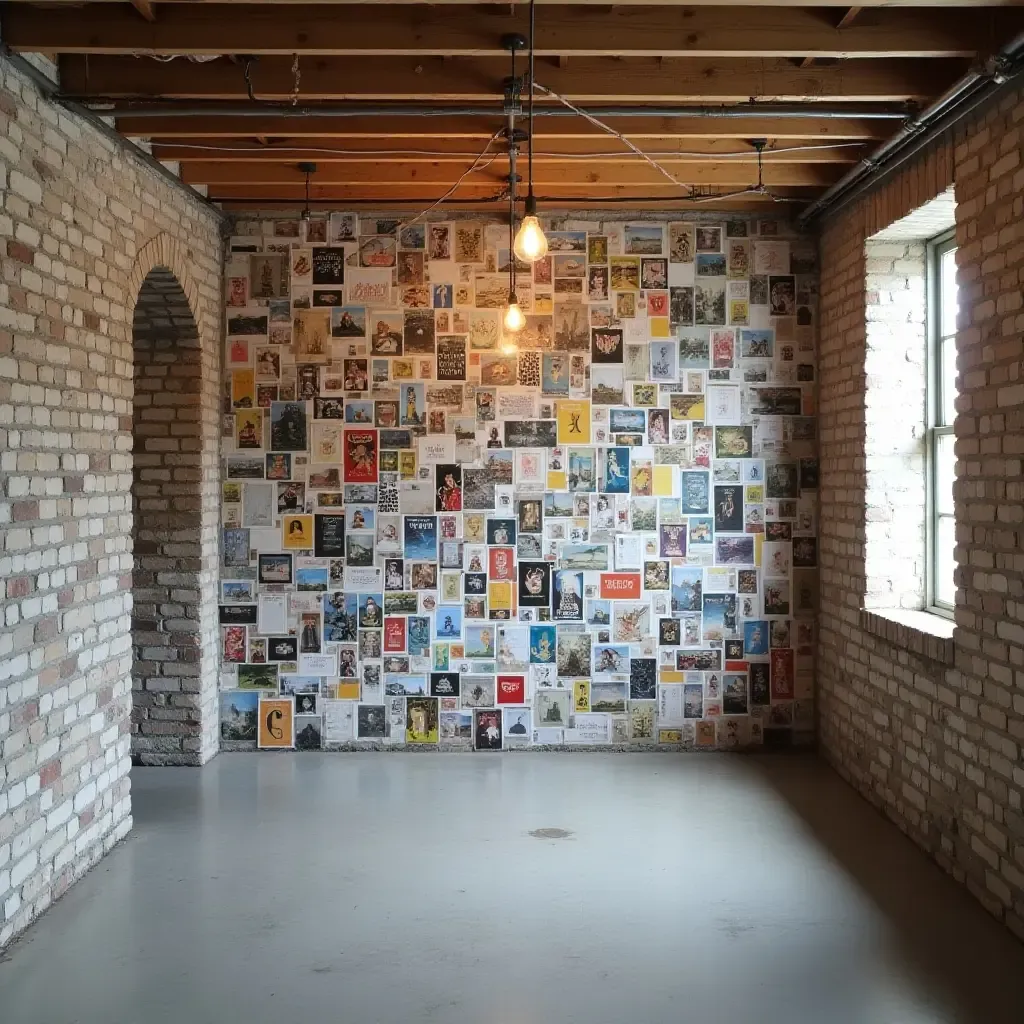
477 164
253 98
195 58
462 177
247 73
694 196
611 131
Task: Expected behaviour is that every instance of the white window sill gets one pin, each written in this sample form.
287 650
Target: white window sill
920 632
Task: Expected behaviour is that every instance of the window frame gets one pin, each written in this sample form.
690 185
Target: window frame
936 248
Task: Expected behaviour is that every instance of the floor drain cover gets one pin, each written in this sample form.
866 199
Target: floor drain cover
550 833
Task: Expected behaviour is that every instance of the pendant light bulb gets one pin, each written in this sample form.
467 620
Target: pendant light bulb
531 243
514 320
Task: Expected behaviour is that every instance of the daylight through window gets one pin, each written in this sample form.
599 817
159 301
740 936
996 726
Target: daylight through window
942 314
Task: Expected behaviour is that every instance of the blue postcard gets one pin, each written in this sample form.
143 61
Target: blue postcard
311 578
599 612
405 685
555 373
359 411
340 617
567 598
687 589
611 659
419 634
360 517
719 616
628 421
542 645
448 622
480 641
757 343
755 637
702 532
421 538
616 471
581 469
694 484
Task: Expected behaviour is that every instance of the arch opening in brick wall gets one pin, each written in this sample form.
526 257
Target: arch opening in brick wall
167 502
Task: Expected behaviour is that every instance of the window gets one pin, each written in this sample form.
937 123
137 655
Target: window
942 311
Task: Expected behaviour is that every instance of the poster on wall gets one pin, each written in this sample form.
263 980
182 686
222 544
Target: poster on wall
600 530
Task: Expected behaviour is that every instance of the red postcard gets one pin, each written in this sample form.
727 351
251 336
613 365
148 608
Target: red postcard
394 634
620 585
511 689
502 564
782 674
360 456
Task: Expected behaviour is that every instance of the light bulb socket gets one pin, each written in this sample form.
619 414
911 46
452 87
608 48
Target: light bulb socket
513 299
531 203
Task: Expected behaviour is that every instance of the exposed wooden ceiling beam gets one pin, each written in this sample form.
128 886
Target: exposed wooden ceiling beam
578 152
614 202
424 195
586 80
454 127
562 32
435 175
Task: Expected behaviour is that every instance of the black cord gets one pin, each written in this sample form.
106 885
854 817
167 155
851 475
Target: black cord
248 79
529 141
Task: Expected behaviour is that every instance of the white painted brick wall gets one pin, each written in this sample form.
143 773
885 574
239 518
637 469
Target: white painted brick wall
74 250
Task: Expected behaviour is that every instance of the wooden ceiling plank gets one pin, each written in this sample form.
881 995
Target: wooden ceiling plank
457 128
578 151
587 80
383 176
562 31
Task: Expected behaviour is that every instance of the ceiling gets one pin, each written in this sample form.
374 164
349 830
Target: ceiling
396 103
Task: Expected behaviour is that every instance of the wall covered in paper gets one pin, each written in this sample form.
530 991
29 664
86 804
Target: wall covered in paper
598 532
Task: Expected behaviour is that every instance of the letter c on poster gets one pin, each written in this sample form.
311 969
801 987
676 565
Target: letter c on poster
275 730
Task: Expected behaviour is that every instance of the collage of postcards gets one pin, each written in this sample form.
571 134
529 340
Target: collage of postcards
599 531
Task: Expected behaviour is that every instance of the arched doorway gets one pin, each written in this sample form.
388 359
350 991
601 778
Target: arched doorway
171 586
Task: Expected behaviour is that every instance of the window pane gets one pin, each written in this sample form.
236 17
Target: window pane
947 292
947 413
944 589
945 464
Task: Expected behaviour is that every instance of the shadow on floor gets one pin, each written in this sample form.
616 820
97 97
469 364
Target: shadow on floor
941 930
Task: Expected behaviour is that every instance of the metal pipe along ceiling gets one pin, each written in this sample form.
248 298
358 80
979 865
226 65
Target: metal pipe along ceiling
784 110
956 102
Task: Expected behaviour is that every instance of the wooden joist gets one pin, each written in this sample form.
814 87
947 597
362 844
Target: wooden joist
640 129
588 79
562 31
561 176
462 151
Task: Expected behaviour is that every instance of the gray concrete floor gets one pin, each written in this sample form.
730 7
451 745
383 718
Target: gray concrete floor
392 888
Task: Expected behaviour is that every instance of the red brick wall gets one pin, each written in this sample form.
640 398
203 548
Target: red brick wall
935 740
